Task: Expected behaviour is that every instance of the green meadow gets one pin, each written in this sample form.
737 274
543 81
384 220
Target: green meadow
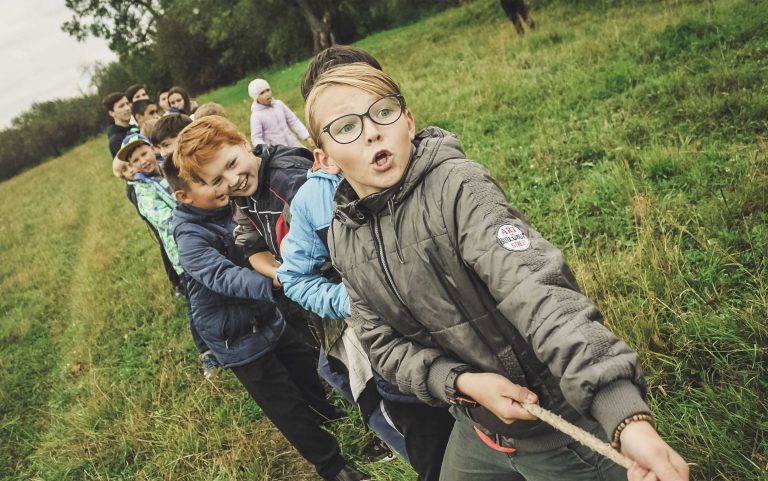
634 135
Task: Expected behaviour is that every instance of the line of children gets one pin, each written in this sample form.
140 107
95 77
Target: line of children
461 302
119 108
456 299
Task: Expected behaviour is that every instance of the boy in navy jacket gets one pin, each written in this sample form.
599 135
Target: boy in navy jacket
233 310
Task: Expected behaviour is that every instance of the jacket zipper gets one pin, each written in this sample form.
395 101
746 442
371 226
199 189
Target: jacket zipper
378 241
266 231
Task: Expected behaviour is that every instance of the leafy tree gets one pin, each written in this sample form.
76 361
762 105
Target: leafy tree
204 43
127 26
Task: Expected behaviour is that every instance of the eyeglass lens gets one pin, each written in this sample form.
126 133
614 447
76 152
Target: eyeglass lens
384 111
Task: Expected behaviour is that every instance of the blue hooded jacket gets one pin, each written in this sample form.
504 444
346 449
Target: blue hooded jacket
231 306
304 249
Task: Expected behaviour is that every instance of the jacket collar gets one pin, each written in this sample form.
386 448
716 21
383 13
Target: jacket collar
255 106
431 147
189 213
324 175
264 152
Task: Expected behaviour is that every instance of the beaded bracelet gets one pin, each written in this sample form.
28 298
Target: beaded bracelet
616 443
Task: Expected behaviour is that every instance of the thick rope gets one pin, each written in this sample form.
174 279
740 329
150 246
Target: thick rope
578 434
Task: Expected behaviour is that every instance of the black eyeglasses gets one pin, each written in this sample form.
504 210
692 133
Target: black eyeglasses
348 128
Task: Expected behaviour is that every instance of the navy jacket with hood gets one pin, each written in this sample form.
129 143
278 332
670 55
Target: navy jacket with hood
231 305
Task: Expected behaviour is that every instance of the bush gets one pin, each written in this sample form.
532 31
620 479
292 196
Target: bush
46 130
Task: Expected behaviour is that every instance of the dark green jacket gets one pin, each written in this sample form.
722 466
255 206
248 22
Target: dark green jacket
443 273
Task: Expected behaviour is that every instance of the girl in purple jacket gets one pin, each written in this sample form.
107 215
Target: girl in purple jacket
271 120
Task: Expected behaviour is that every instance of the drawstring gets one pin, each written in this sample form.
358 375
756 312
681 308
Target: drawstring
333 238
391 204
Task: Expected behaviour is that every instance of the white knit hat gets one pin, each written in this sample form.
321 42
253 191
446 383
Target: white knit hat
256 87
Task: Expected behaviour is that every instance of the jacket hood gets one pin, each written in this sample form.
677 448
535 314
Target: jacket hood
184 213
430 148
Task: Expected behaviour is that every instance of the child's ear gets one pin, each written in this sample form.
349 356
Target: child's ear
182 197
325 162
411 123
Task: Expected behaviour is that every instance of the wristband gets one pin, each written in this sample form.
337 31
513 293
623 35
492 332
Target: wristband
453 394
616 443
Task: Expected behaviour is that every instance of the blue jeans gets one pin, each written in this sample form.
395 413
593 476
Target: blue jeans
377 421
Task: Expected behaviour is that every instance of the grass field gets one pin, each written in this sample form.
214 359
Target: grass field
634 136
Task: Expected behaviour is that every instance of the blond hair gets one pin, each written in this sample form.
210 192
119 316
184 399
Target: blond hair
358 75
119 167
210 108
148 127
198 143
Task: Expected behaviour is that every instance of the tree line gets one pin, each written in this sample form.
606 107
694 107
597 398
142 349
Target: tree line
198 44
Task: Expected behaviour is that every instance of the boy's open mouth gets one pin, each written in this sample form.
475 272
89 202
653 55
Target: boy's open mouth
382 160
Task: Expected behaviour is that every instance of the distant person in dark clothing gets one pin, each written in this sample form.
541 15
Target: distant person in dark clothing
119 109
517 13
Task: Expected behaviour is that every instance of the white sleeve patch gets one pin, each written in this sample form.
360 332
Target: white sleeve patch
512 238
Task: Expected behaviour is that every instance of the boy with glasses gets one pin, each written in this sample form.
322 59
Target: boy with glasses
461 302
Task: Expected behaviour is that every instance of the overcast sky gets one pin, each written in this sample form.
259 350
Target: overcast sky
38 60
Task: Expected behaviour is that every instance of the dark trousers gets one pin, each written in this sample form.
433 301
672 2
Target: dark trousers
467 458
426 430
299 319
517 12
284 383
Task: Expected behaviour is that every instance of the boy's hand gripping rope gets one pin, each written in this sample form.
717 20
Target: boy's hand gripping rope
585 438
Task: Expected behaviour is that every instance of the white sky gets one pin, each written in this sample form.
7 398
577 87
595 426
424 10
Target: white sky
38 61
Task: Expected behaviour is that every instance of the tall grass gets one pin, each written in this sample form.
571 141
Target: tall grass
633 135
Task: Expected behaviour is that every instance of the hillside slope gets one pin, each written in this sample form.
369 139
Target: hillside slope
634 137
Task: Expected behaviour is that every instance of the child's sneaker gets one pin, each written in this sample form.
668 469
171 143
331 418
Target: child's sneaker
210 365
378 452
179 291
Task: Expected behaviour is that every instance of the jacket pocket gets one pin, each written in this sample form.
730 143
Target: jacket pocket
239 321
483 343
478 342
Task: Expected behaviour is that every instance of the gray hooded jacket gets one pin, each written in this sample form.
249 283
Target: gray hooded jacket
442 273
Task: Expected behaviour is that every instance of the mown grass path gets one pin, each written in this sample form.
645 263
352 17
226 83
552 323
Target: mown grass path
635 137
